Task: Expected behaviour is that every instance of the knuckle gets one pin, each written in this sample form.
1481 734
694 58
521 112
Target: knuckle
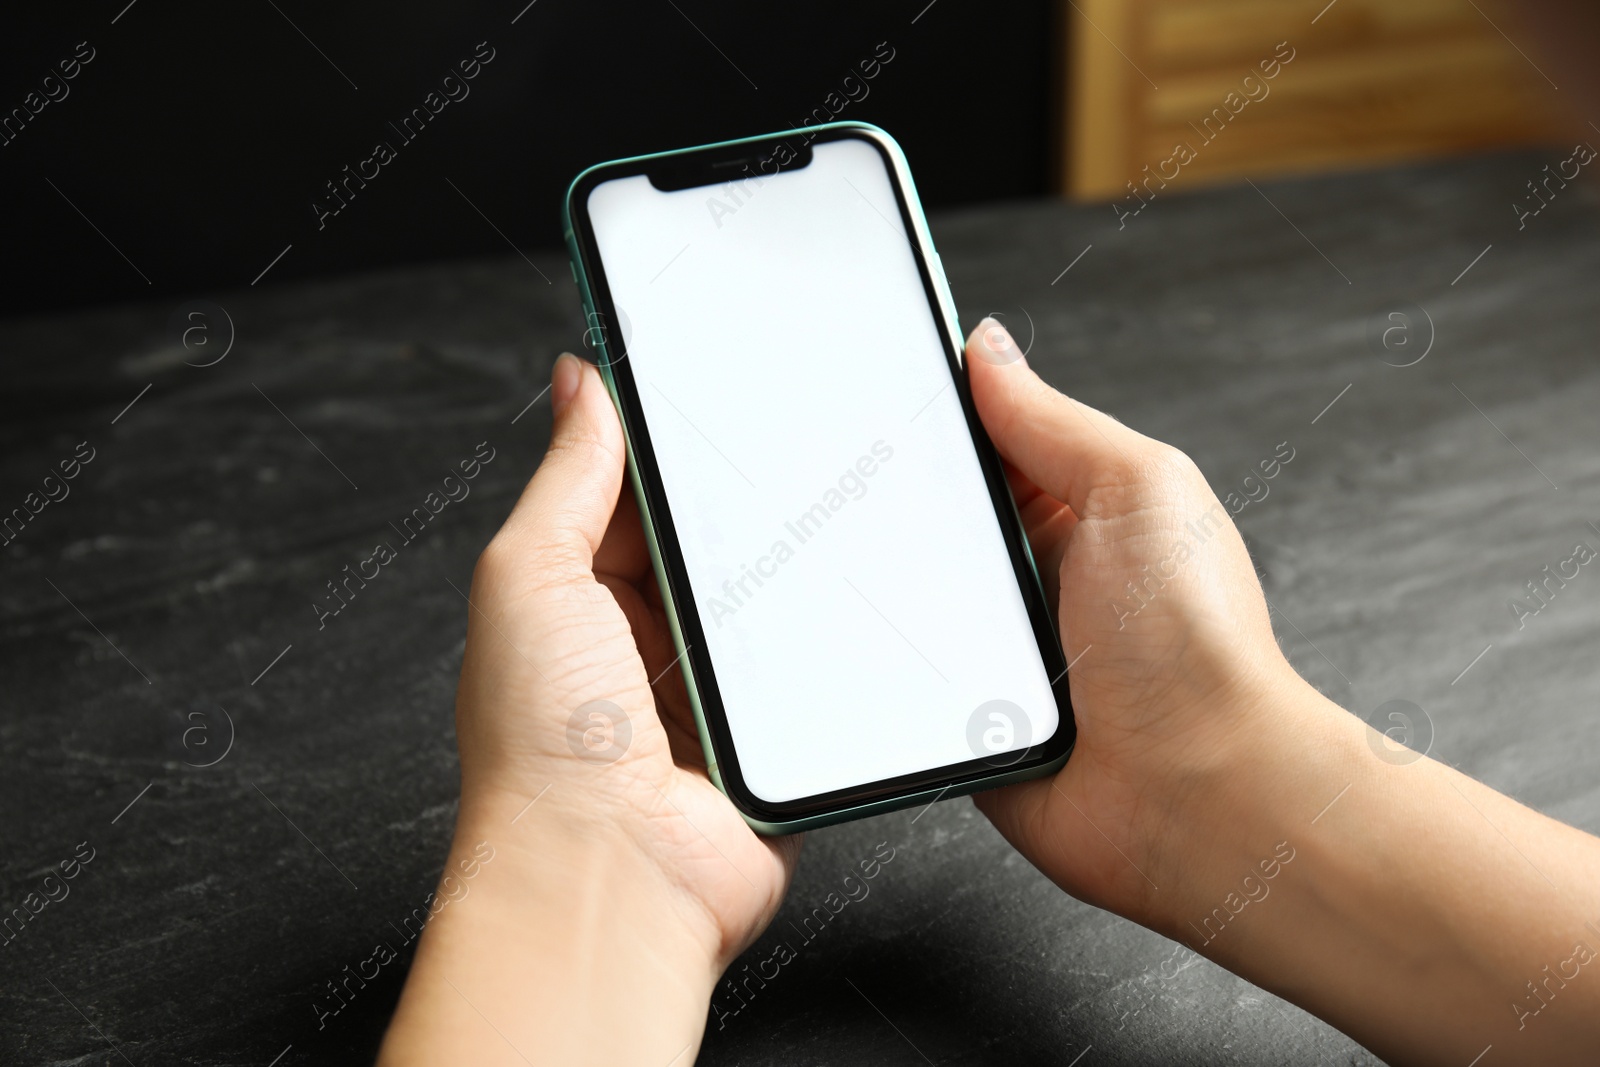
1151 476
582 447
1167 468
493 566
528 561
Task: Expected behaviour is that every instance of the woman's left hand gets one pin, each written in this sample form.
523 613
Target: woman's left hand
622 882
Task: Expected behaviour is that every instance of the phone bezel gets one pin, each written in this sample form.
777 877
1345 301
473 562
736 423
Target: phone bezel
678 170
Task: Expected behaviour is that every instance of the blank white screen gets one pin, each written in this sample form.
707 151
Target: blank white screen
783 347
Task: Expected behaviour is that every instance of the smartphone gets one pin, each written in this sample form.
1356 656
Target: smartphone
857 614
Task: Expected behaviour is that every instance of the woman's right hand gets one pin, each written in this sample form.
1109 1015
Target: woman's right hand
1175 667
1217 798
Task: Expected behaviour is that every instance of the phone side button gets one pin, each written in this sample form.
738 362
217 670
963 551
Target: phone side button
573 267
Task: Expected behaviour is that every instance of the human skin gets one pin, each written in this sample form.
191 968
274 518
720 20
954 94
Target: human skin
1407 917
619 891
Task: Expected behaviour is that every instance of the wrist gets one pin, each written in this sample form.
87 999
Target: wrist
585 871
561 929
1383 891
1241 812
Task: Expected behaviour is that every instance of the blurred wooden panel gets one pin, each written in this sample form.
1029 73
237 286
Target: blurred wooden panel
1184 34
1368 81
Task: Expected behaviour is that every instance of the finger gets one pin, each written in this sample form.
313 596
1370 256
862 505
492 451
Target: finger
668 672
1046 825
622 551
657 653
1067 449
1015 811
664 669
1047 522
562 516
787 849
650 586
1047 537
1022 489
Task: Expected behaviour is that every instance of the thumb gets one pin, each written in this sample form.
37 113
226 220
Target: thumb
562 515
1068 449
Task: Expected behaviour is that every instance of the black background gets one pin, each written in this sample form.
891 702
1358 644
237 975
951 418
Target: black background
199 135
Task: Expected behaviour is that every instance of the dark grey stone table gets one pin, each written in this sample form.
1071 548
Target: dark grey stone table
164 605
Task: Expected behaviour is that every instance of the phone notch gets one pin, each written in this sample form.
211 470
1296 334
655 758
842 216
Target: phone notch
738 162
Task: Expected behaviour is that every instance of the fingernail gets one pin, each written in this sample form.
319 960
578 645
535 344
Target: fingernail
564 381
996 344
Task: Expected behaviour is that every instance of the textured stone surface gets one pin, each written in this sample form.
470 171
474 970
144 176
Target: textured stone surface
196 540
